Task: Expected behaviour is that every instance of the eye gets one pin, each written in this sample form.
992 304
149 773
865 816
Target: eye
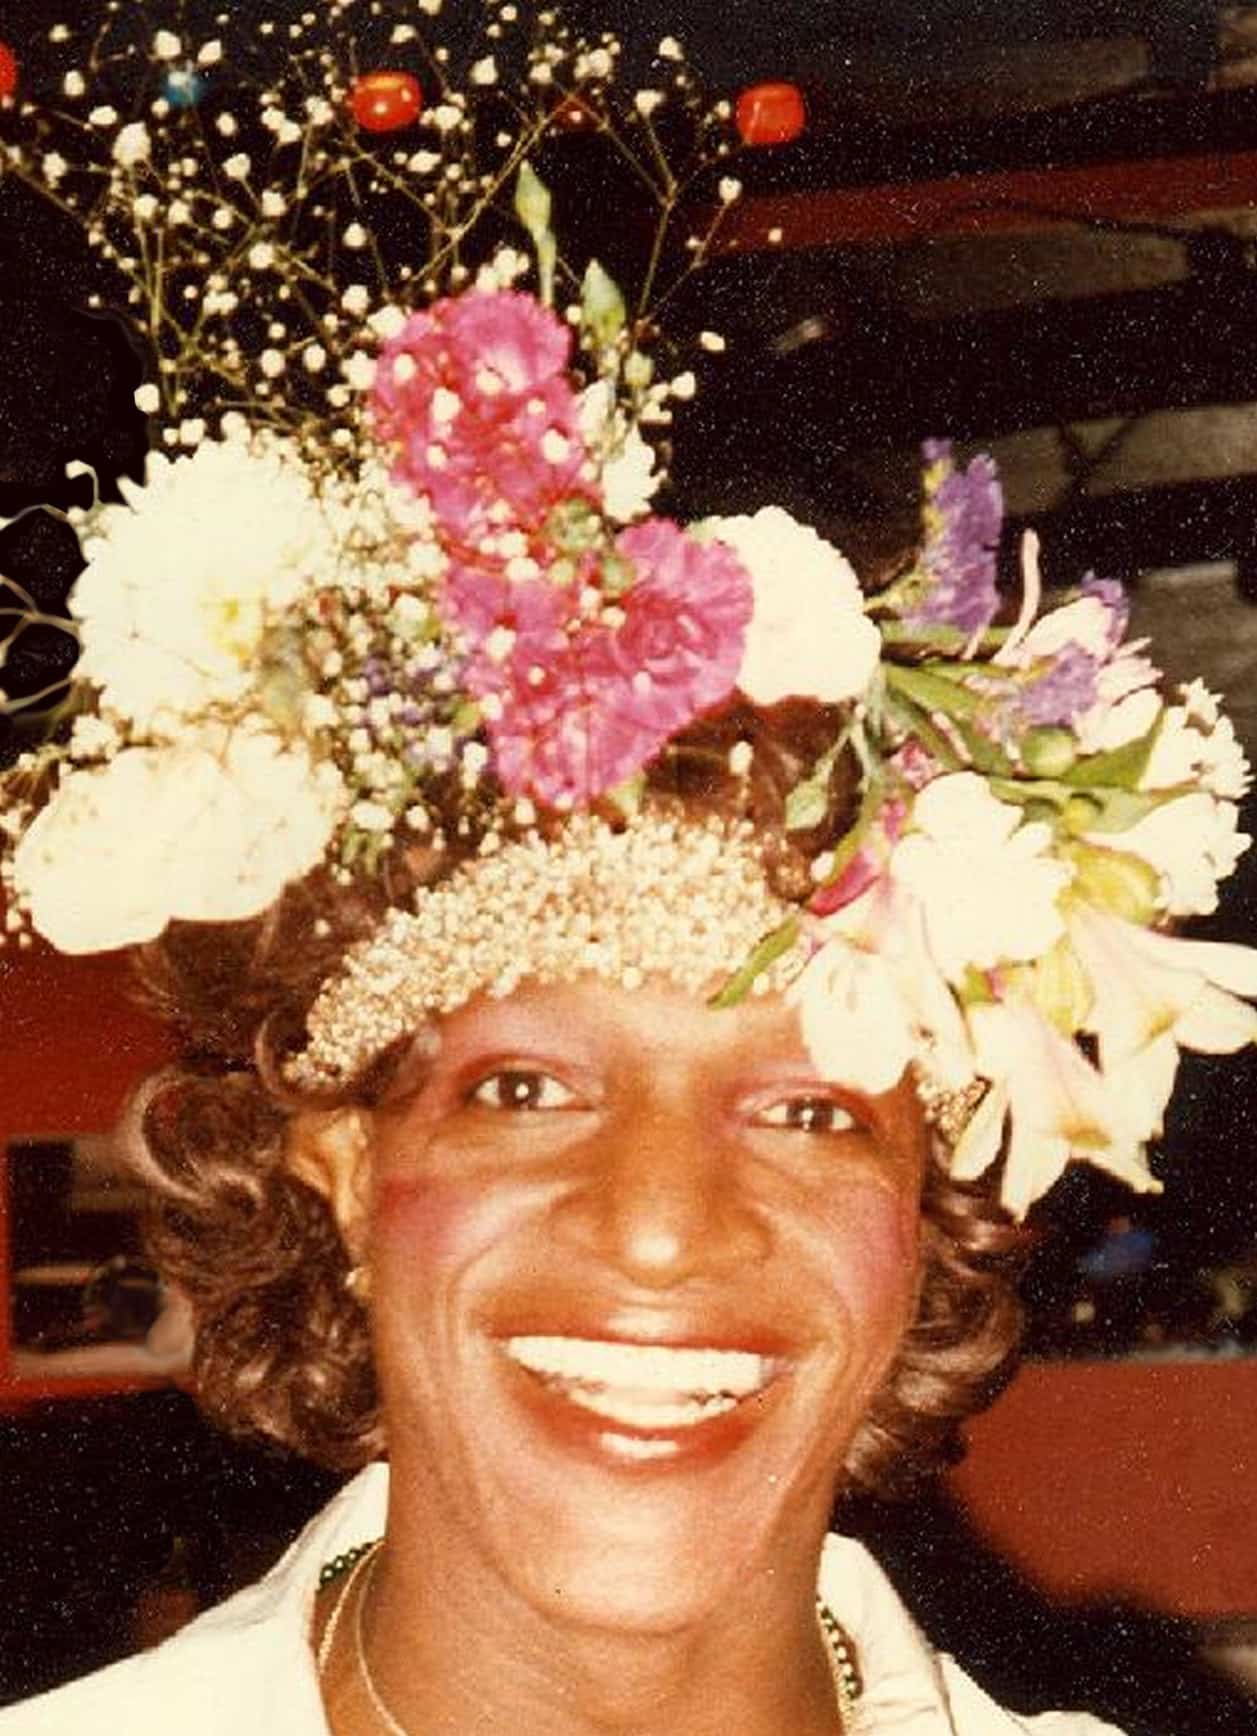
521 1088
807 1115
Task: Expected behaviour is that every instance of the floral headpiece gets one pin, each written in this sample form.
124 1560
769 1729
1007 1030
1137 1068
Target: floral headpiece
431 601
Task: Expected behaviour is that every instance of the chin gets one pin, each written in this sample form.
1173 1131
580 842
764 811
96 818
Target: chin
628 1506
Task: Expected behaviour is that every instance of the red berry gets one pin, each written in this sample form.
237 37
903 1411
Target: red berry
384 102
770 114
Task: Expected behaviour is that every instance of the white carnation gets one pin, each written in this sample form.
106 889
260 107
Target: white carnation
985 883
185 575
1191 750
209 829
809 636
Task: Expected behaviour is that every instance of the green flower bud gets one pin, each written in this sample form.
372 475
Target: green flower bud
602 306
1048 752
639 371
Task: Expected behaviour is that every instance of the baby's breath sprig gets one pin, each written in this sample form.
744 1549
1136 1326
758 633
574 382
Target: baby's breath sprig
261 234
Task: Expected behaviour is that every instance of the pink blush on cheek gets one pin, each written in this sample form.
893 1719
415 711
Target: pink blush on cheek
875 1241
436 1219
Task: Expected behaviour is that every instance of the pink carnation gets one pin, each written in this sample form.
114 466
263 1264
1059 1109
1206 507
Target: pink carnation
474 397
580 702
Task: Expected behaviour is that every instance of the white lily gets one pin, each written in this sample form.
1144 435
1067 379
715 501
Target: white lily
854 1020
1153 994
986 882
1055 1105
1147 985
872 998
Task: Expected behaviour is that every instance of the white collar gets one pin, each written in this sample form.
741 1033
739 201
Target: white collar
905 1682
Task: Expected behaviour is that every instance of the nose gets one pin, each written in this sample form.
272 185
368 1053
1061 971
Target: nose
662 1199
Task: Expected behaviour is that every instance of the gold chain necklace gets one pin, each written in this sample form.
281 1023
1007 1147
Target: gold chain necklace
362 1559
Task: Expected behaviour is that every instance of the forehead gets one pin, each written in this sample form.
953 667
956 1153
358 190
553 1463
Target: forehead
656 1021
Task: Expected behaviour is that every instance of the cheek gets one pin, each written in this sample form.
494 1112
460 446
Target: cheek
873 1244
438 1222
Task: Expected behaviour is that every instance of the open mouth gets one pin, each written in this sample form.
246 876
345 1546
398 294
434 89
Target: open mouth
647 1388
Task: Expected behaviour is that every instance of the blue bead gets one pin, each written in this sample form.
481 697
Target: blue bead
184 87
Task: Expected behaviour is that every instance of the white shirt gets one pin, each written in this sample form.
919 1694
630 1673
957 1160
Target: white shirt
246 1665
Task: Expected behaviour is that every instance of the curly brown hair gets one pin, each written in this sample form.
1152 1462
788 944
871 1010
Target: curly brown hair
283 1348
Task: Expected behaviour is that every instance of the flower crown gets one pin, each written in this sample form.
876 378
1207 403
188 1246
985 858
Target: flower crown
432 602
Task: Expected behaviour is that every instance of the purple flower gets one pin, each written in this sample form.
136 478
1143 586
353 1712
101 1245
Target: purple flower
1063 692
1112 593
377 675
963 513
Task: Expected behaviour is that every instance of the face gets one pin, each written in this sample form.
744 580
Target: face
636 1272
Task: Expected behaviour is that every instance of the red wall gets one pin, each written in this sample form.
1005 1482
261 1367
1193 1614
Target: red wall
1134 1480
71 1041
72 1044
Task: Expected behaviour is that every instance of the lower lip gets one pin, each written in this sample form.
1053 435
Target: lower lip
641 1452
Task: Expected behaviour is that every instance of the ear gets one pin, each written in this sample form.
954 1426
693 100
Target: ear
330 1150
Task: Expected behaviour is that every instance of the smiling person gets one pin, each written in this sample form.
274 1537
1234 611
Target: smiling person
631 981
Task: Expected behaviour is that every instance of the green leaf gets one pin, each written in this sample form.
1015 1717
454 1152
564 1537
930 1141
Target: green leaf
915 722
1090 810
1113 880
929 637
808 802
932 692
547 259
1024 791
851 840
1122 768
602 308
1117 810
984 754
769 950
532 201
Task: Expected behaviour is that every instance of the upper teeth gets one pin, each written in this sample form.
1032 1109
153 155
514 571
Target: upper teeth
658 1368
